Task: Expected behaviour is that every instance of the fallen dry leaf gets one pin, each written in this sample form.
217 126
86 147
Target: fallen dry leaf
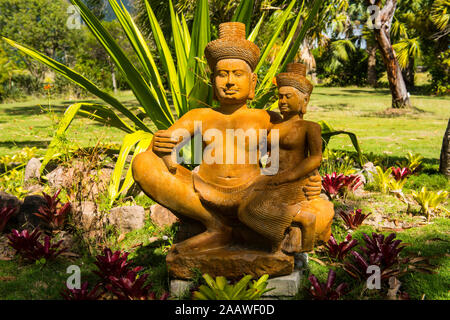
70 254
317 260
137 245
7 278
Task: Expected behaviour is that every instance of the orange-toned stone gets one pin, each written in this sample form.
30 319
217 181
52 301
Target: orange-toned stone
230 262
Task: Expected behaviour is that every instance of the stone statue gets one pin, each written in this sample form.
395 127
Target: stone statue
212 194
285 202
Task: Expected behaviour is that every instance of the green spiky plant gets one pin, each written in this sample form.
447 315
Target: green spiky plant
429 200
382 179
220 289
412 162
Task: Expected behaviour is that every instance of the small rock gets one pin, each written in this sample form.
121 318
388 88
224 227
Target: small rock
90 220
35 189
57 178
8 200
32 170
25 216
162 216
127 218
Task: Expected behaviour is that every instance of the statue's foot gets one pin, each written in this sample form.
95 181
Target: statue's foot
210 239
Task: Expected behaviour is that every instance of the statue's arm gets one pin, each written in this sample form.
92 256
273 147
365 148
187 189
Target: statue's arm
310 163
165 141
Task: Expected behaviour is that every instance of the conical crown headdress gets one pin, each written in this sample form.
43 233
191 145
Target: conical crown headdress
232 45
295 76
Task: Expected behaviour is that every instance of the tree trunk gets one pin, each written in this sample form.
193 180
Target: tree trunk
371 67
444 166
400 97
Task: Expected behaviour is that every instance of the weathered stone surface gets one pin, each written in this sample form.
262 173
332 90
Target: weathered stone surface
188 228
35 189
8 200
162 216
180 288
59 178
32 170
229 262
127 218
91 182
285 286
90 219
31 204
301 260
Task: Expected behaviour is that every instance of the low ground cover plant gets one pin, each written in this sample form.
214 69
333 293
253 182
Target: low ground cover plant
221 289
30 248
327 290
429 200
338 251
53 214
353 219
5 214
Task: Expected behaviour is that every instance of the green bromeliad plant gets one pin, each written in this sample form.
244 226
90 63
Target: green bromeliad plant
221 289
179 83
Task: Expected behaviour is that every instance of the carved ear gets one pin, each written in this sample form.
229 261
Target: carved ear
306 100
254 81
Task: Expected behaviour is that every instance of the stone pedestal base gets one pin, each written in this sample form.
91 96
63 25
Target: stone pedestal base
283 287
232 263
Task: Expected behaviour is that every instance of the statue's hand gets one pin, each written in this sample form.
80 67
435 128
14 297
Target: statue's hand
313 186
162 146
163 142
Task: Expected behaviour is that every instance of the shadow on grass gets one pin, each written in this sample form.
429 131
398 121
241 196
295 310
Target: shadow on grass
35 110
26 143
336 107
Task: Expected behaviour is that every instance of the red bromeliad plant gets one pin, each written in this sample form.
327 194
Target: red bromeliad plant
28 246
55 217
83 293
325 291
352 182
113 265
332 184
400 173
339 250
353 219
385 248
132 287
336 184
5 214
380 251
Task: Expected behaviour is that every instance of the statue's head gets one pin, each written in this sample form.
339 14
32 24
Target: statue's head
232 60
294 89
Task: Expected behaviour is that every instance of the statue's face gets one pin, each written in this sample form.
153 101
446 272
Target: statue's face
292 100
233 81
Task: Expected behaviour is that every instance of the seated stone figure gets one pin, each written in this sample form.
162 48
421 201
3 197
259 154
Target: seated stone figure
282 207
212 194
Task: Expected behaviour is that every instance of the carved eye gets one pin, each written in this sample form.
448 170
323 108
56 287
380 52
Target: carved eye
222 74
